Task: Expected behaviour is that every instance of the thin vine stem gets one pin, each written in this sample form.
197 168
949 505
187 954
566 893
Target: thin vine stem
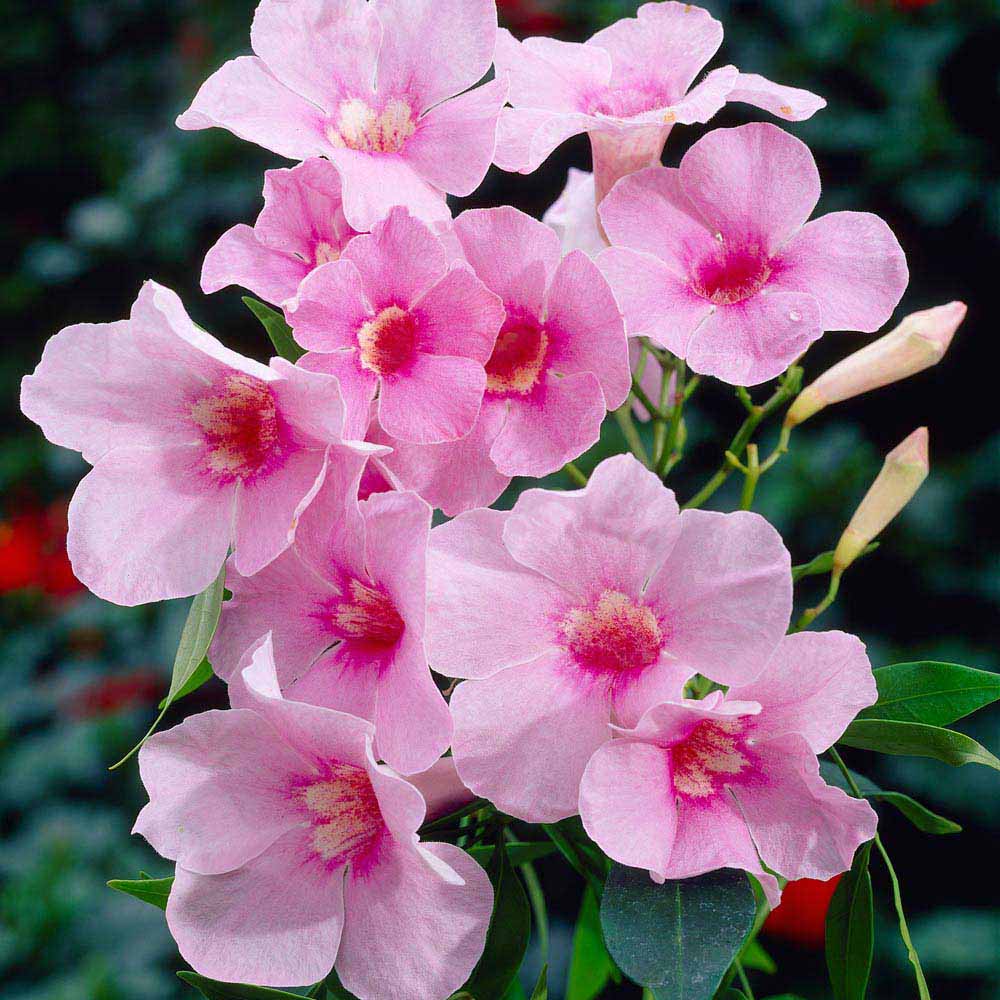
676 416
624 417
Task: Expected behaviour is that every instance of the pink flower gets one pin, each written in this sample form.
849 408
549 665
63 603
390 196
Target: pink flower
372 87
345 607
195 448
717 262
732 781
559 364
573 215
626 88
296 852
394 316
301 227
581 608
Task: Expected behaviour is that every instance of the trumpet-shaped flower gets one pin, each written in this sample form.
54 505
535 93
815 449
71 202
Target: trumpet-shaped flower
718 263
345 606
626 88
195 449
573 215
579 609
559 364
733 781
396 316
301 227
381 89
297 853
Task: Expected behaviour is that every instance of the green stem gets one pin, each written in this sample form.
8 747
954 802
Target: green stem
536 897
655 413
670 445
624 417
744 982
753 474
573 471
808 617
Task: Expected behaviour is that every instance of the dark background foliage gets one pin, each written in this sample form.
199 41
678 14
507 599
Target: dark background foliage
101 191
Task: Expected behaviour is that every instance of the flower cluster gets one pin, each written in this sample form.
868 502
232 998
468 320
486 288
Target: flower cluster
619 659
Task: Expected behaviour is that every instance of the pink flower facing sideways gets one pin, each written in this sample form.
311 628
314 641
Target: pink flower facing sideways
732 780
626 88
559 364
296 852
345 606
579 609
372 87
301 227
195 449
394 316
717 262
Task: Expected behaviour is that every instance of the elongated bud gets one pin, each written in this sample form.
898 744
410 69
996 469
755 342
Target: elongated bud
905 469
919 342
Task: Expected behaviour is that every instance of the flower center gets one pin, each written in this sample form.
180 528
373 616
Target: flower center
239 424
732 275
345 815
368 615
712 752
615 636
518 358
324 253
388 342
629 100
360 126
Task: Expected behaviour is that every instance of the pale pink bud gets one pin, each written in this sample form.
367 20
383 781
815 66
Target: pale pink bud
905 469
919 342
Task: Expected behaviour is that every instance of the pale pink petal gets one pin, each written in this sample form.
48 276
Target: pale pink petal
626 804
484 611
410 933
660 682
588 327
755 183
276 921
322 49
145 526
621 147
573 216
218 789
724 594
244 97
790 103
331 307
512 253
311 403
402 806
344 680
615 533
813 685
556 424
803 827
239 258
443 790
523 736
527 136
358 386
460 317
851 263
704 102
454 143
757 339
434 49
438 401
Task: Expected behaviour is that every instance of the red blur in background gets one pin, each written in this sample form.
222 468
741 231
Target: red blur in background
33 552
801 916
530 17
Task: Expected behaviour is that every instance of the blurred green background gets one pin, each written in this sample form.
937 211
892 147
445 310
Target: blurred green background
101 191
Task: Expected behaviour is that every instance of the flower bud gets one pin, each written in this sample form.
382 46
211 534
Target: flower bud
905 469
919 342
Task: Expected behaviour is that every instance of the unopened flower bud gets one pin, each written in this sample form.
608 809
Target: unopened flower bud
919 342
905 469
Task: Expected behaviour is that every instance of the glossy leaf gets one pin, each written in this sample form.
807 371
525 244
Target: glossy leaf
678 938
591 967
149 890
213 990
915 739
277 329
936 694
850 931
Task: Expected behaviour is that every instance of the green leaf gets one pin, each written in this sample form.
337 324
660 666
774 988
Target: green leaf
822 564
520 853
277 329
452 819
541 990
590 967
233 991
936 694
509 931
755 957
202 675
917 740
149 890
678 938
336 989
850 931
196 637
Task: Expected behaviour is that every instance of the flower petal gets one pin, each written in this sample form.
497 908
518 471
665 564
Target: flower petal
460 317
790 103
239 258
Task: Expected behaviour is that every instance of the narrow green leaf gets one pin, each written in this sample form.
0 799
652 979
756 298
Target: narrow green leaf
520 853
591 967
541 990
277 329
822 564
196 637
452 819
755 957
508 935
233 991
149 890
678 938
202 675
936 694
850 931
336 989
915 739
514 992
